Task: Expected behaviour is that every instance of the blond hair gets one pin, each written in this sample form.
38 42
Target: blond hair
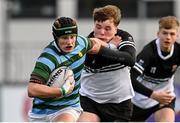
168 22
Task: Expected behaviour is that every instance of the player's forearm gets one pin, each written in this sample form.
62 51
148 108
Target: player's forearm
120 56
138 87
42 91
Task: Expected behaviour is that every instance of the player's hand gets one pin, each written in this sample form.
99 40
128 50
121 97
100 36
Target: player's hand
96 45
116 40
68 86
163 97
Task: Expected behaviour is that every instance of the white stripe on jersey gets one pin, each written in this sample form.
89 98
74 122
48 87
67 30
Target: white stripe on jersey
138 68
125 43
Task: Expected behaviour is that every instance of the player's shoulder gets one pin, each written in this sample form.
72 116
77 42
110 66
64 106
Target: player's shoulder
126 36
150 47
177 48
121 32
150 44
82 39
51 44
83 42
52 48
177 45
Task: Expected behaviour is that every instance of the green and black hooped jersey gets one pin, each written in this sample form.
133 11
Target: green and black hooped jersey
154 70
52 58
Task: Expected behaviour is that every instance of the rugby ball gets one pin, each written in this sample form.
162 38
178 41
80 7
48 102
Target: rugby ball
58 76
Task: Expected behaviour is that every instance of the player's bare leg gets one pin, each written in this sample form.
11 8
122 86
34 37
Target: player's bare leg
164 115
66 117
88 117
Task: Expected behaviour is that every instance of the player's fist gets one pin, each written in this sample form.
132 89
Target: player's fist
96 45
68 85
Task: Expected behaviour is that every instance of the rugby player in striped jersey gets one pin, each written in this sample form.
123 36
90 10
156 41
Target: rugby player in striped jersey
153 74
52 104
106 88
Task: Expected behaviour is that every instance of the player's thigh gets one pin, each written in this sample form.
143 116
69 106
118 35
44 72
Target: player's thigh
88 117
90 112
69 114
164 115
65 117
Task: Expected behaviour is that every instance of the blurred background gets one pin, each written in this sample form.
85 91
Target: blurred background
25 28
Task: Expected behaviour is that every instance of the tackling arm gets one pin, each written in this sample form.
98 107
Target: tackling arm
124 57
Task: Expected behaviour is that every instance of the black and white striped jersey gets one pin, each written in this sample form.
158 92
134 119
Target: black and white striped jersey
154 70
106 77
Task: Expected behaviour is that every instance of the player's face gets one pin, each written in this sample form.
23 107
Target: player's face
105 30
167 38
67 43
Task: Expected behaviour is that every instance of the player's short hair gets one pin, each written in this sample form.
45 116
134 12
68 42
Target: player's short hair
168 22
64 26
106 13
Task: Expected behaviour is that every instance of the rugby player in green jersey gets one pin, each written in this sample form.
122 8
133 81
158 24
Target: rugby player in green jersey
51 104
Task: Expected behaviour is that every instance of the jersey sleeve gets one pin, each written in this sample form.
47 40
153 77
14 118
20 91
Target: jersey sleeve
40 73
45 64
137 71
124 57
126 53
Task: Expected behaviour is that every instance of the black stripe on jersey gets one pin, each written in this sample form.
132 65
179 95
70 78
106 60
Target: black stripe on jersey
155 80
105 68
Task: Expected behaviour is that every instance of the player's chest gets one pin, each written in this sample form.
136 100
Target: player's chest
162 68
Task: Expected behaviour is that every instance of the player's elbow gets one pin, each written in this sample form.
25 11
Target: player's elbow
130 61
31 92
132 58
